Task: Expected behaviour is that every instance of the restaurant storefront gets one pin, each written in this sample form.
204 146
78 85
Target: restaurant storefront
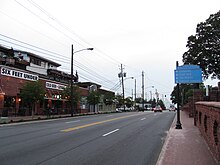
13 79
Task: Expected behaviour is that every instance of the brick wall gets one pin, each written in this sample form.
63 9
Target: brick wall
208 122
199 95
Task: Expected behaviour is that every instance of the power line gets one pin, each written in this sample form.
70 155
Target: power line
50 16
48 23
54 53
70 30
29 27
64 27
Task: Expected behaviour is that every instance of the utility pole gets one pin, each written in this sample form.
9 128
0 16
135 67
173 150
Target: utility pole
135 92
132 94
122 75
143 90
71 83
151 98
157 96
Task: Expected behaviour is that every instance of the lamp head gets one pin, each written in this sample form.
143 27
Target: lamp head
90 48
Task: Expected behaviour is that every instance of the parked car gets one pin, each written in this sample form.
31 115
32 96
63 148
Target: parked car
158 109
118 110
172 109
124 109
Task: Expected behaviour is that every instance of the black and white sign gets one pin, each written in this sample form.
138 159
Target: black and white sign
18 74
55 86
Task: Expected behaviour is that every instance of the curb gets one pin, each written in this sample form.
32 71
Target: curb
163 150
8 120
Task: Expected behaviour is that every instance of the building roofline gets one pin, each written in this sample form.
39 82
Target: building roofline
30 54
39 57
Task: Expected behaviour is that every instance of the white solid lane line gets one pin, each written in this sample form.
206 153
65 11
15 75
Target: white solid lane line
74 121
143 118
110 132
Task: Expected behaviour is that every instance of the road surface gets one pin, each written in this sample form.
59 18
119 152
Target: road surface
132 138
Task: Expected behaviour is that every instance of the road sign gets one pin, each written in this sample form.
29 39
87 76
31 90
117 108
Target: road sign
187 74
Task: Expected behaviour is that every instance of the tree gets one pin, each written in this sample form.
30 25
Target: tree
152 102
138 100
76 95
31 93
204 47
128 102
186 91
161 103
93 98
108 99
119 99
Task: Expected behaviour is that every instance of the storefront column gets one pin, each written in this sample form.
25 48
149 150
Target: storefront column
17 103
1 104
63 107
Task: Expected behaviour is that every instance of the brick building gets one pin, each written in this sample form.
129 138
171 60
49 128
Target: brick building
18 67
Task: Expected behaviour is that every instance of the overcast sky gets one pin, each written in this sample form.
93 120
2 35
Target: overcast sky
142 35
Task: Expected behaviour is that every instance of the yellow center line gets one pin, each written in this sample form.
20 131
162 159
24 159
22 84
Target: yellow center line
95 123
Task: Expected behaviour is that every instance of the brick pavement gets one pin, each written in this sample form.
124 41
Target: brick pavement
185 146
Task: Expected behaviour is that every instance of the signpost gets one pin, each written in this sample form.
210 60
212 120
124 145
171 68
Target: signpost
185 74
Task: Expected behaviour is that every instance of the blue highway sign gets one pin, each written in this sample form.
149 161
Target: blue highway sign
187 74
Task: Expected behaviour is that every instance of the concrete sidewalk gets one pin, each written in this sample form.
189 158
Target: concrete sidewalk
185 146
22 119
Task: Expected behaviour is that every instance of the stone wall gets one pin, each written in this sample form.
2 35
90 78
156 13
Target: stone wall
207 120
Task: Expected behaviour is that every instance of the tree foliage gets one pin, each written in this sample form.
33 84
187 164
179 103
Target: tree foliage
186 91
204 47
119 100
128 102
153 102
66 93
108 99
161 103
32 92
138 100
93 98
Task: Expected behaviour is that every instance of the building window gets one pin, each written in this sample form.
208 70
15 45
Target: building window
83 103
43 64
36 61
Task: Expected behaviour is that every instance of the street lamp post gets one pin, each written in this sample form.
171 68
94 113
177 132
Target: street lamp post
178 123
71 83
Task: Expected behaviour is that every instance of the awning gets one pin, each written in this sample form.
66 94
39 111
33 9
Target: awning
53 94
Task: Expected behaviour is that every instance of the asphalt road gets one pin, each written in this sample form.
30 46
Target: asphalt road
133 138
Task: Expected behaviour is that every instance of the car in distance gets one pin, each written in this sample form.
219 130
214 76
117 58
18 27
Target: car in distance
172 108
158 109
